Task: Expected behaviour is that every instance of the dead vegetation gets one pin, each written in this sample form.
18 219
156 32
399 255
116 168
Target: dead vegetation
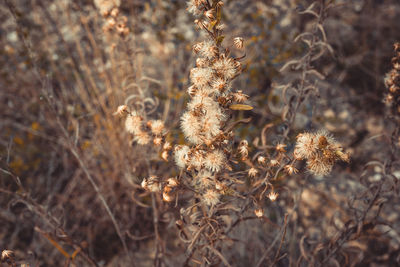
206 133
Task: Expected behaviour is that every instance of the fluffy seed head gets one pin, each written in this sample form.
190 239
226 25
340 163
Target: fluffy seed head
191 127
220 85
211 197
133 123
305 146
320 150
197 159
208 50
182 156
201 76
204 178
215 160
318 166
225 67
142 138
157 127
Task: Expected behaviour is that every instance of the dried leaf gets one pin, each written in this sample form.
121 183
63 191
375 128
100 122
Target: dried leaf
240 107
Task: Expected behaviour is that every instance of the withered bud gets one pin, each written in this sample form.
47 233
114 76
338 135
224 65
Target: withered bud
114 12
201 62
240 97
167 146
164 155
220 27
261 160
168 195
274 162
252 172
238 42
280 148
7 255
157 141
273 196
199 24
209 14
397 47
290 169
111 22
172 182
259 213
122 110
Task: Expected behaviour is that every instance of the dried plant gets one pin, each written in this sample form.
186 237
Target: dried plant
199 133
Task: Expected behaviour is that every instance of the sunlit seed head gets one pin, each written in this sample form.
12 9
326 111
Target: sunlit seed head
191 127
319 166
225 67
205 178
142 138
211 197
201 76
144 184
215 160
133 123
197 159
182 156
157 127
306 146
